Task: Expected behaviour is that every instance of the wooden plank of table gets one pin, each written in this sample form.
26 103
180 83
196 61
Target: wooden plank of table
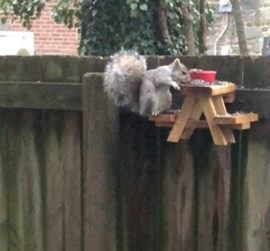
202 124
244 126
191 124
236 119
207 90
163 118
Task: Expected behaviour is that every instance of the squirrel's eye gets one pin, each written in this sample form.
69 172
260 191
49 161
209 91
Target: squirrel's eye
184 73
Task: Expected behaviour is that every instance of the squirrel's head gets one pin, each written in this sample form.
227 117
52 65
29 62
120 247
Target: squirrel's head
180 73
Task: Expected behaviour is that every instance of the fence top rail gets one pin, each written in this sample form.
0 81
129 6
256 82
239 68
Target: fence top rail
40 95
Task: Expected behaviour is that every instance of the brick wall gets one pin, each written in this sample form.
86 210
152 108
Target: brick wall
51 38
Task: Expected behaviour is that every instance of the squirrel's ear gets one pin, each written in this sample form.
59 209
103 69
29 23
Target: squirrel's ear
177 63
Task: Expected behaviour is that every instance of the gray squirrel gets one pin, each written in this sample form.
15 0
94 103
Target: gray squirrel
128 83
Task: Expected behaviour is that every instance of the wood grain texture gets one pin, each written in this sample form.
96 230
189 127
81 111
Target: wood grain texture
4 214
195 115
210 113
140 173
236 119
54 185
37 95
71 146
213 176
4 241
256 187
208 90
182 118
16 180
221 110
36 149
178 198
33 203
100 133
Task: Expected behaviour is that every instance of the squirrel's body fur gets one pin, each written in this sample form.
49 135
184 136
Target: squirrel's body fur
128 83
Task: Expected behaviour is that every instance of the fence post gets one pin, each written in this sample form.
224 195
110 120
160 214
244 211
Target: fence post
100 137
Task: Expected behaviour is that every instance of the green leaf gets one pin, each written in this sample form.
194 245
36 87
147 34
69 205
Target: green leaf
133 13
3 20
65 4
134 6
143 7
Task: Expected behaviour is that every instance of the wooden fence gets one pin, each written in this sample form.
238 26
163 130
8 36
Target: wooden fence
75 174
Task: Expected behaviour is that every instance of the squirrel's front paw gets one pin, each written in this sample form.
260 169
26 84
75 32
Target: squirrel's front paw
175 86
155 113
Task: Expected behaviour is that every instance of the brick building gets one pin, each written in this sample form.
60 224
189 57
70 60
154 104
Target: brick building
49 38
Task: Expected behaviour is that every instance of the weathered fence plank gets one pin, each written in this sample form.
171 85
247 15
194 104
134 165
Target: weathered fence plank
4 216
139 193
100 133
256 190
15 178
3 211
40 185
212 174
71 157
54 185
178 197
33 203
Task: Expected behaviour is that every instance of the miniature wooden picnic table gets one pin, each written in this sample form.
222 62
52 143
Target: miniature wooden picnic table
210 101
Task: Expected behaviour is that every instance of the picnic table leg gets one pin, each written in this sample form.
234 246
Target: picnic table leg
182 119
221 110
210 112
195 115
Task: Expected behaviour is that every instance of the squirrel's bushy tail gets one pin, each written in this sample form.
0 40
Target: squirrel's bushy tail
123 76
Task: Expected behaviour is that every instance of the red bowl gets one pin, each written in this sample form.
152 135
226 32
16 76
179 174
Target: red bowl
208 76
193 75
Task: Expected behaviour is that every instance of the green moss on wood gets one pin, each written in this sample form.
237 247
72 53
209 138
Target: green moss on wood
53 72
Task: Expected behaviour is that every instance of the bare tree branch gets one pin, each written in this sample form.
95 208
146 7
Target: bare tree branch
189 27
203 27
162 23
239 27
